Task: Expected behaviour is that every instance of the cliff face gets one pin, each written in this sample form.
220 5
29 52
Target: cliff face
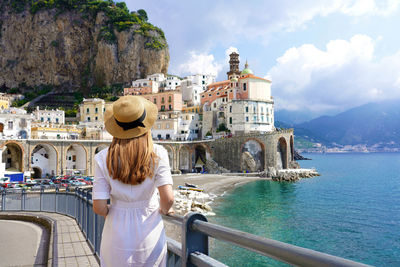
65 50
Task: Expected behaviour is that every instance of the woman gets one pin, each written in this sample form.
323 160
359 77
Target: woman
128 173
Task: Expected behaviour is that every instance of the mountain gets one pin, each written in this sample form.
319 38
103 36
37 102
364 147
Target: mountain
294 117
368 124
74 45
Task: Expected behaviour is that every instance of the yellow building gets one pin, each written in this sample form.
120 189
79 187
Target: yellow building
55 133
92 110
4 102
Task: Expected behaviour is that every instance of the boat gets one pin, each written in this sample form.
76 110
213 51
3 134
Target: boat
181 187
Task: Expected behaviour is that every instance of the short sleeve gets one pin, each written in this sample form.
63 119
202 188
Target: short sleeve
101 185
163 172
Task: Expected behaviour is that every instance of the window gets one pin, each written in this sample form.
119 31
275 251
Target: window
202 96
73 158
244 87
247 109
169 99
88 118
48 118
170 107
104 109
247 119
167 126
162 99
10 125
42 119
203 82
87 110
209 94
96 110
255 118
218 93
95 119
230 109
215 105
155 100
57 120
262 109
262 118
162 108
230 120
158 126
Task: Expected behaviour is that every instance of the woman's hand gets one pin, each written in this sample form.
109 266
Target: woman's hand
170 211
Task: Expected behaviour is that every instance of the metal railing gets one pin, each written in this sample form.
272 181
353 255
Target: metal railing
196 230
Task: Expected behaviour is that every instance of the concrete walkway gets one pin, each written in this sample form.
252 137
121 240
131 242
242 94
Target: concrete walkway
70 247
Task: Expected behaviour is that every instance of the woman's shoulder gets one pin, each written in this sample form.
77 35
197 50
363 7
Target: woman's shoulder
159 149
102 155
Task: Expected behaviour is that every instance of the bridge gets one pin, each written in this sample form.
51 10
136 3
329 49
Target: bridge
251 152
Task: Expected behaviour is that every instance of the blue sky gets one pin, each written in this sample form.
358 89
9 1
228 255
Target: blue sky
322 56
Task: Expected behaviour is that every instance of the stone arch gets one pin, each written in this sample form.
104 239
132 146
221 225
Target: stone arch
171 153
37 172
45 157
252 155
291 148
184 159
199 156
76 159
13 156
282 154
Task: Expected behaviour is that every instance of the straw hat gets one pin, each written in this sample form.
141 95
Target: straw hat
129 117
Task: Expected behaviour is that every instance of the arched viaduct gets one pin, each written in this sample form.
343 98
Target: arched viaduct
58 157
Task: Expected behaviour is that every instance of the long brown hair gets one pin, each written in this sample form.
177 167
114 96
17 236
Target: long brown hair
131 160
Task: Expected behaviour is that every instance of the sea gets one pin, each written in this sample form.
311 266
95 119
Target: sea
352 211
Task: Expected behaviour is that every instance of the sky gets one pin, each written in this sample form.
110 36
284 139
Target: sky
322 56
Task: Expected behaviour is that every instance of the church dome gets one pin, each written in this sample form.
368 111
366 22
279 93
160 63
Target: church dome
234 79
246 70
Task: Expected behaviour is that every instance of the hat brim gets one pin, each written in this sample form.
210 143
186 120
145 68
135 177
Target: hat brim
117 131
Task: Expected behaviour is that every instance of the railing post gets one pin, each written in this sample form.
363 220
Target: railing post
55 200
192 241
66 200
3 199
88 197
23 199
41 197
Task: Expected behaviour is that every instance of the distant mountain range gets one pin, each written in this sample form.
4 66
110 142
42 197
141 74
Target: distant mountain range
369 124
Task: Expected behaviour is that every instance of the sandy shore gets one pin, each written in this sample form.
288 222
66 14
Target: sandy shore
214 185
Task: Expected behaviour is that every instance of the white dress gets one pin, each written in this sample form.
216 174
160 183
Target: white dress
133 233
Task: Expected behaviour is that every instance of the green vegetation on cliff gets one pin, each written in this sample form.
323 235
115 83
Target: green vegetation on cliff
118 17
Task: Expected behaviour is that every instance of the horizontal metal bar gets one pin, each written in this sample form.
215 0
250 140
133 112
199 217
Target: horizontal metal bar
174 246
274 249
201 260
175 219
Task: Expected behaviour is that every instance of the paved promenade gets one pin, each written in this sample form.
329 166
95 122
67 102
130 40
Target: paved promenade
71 248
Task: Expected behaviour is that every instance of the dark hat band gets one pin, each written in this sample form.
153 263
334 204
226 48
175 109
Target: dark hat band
133 124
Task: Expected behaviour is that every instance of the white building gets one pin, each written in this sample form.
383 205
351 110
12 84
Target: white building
15 123
193 85
171 83
247 116
49 116
188 127
166 126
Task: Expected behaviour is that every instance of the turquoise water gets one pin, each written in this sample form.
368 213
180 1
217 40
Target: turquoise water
352 210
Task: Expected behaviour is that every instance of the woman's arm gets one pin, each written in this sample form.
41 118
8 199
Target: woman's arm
100 207
166 198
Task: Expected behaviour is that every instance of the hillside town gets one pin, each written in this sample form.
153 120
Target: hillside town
195 107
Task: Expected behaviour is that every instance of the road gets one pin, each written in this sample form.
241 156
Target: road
22 244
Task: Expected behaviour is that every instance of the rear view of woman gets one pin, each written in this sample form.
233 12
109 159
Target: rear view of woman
135 175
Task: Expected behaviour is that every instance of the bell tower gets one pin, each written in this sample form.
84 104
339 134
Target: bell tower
233 66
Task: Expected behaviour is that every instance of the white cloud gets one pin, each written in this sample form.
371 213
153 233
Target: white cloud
199 63
342 76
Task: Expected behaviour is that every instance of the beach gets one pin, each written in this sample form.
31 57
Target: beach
213 185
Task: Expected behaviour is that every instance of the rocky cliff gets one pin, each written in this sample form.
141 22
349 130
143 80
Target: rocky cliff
73 50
